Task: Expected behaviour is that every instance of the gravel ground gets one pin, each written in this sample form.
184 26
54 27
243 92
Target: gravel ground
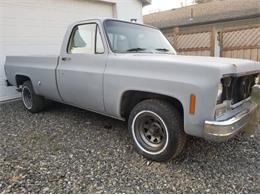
68 150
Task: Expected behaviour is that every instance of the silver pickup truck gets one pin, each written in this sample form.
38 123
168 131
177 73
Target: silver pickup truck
131 72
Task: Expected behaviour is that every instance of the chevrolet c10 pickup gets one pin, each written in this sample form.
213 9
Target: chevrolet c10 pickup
131 72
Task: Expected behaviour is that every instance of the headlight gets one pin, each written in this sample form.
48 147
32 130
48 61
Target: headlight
220 91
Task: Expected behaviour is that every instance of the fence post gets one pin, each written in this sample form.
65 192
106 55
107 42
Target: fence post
213 41
176 34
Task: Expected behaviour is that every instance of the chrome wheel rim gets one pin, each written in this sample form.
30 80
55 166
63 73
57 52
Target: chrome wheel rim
150 132
27 97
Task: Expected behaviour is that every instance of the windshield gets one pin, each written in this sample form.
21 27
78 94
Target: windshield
129 37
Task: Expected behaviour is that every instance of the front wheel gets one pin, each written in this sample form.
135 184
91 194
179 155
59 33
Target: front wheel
156 127
32 102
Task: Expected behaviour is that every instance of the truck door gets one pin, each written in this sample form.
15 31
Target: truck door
81 68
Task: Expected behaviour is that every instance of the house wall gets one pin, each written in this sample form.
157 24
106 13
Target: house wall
129 9
219 25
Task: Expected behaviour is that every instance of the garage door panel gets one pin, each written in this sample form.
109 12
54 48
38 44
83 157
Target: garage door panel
46 27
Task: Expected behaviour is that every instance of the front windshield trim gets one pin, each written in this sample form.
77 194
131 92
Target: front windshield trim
143 25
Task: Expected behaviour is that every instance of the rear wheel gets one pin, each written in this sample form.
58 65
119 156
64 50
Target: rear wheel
157 130
32 102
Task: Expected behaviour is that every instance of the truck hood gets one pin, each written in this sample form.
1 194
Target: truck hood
223 65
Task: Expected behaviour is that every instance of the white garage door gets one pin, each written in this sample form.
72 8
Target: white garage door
30 27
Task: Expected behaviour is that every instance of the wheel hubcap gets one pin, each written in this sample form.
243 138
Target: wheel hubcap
27 97
150 132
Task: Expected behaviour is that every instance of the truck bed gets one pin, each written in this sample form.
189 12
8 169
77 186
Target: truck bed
40 69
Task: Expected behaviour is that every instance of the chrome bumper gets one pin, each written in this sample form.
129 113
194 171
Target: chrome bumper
243 122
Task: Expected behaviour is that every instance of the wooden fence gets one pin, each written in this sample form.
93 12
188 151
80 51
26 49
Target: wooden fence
241 43
234 43
196 43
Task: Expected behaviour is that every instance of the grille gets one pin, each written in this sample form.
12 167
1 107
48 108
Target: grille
239 89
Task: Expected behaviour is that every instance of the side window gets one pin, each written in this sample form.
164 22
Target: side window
86 39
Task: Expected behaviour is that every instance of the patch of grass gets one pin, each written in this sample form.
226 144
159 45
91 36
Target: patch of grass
56 147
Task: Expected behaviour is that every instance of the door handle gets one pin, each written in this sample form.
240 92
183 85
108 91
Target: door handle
66 59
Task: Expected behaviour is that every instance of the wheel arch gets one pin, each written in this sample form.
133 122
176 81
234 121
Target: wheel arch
131 98
20 79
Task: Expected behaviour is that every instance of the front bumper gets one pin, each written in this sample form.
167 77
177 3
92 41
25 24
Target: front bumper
245 121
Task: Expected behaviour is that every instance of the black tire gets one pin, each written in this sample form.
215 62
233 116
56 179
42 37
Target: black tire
32 102
156 127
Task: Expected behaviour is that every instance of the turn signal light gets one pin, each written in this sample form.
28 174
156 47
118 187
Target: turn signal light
192 104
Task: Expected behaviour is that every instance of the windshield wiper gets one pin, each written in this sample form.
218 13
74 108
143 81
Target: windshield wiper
162 49
136 49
